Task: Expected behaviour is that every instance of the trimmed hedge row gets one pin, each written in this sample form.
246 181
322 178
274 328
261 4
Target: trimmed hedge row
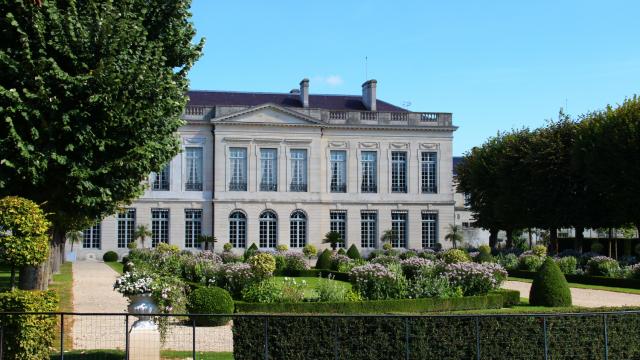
433 337
340 276
585 279
28 337
496 300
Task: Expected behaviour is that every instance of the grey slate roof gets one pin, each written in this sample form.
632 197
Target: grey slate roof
327 102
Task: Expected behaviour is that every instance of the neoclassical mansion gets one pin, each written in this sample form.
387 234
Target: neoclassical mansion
286 168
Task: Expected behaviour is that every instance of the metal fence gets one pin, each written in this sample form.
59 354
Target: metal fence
589 335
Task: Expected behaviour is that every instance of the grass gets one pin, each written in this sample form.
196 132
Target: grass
63 285
119 355
312 284
117 266
587 286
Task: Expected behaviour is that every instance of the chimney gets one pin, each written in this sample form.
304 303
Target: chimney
304 93
369 94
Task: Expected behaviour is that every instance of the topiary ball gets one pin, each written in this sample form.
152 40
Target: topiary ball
353 252
110 256
550 287
324 260
210 300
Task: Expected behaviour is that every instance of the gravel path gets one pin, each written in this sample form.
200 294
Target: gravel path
93 293
584 297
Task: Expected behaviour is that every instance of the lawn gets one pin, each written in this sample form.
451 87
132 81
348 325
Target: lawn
587 286
117 266
312 283
63 285
165 355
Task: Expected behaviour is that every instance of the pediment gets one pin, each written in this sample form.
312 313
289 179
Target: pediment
267 114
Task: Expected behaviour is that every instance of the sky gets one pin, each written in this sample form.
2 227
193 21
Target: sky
496 65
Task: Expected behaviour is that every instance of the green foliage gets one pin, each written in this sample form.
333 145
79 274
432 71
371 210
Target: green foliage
309 251
141 233
333 238
408 254
454 256
324 260
227 247
24 231
132 245
353 252
539 250
550 288
387 246
110 256
454 235
567 264
508 261
603 266
597 247
91 94
252 250
28 337
530 262
282 247
341 251
210 300
331 291
263 265
484 254
264 292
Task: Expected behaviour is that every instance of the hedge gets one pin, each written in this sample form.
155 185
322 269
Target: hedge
494 300
436 337
585 279
28 337
337 275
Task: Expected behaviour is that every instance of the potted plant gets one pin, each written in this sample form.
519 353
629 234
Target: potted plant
141 233
138 286
73 237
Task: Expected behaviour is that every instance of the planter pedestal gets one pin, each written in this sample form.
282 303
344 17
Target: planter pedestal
144 337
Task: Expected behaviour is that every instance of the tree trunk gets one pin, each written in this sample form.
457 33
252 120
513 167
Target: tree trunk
493 238
553 241
530 239
509 243
610 237
579 238
34 278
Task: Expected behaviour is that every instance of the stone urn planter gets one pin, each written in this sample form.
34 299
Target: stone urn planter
141 306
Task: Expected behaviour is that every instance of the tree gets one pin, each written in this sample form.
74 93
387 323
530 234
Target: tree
333 238
141 233
208 239
75 237
387 236
24 234
454 235
91 94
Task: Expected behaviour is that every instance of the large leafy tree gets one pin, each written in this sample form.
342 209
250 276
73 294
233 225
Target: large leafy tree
91 94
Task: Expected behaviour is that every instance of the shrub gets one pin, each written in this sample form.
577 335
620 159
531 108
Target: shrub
166 248
295 263
324 260
266 292
132 245
28 337
385 260
252 250
530 262
550 288
454 256
110 256
508 261
341 251
228 257
331 291
603 266
427 284
345 267
376 282
353 252
411 266
338 259
309 251
282 247
484 254
387 246
475 279
634 272
292 291
281 263
427 254
484 249
375 253
227 247
567 264
235 277
263 265
539 250
597 247
408 254
210 300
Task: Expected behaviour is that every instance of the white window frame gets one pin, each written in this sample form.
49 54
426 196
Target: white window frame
161 181
272 185
392 166
238 229
429 229
338 170
238 180
338 223
92 237
372 239
127 219
298 225
401 238
298 186
429 182
271 225
191 184
376 171
192 227
160 226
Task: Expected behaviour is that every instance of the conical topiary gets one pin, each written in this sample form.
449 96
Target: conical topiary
353 252
252 250
324 260
550 287
342 252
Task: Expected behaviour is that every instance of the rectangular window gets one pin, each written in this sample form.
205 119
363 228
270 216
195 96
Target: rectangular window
399 228
368 228
298 170
338 171
238 168
399 171
194 169
91 237
161 179
428 170
269 169
429 230
369 172
338 223
126 227
192 227
159 226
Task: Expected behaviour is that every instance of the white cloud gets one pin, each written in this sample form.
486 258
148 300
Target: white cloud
331 80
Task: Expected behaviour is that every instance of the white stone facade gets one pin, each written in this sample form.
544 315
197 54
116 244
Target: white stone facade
217 129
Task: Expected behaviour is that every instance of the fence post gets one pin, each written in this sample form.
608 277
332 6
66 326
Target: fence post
266 338
406 337
546 338
61 336
126 336
193 340
606 337
477 338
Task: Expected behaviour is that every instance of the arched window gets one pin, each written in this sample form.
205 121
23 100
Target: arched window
268 229
238 229
298 229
